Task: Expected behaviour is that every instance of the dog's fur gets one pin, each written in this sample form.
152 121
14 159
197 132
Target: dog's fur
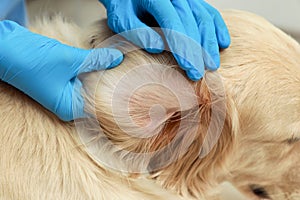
42 157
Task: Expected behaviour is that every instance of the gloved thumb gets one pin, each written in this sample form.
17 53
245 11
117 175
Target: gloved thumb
100 59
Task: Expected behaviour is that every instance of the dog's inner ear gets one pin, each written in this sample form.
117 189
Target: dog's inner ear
194 143
162 121
153 106
182 130
136 105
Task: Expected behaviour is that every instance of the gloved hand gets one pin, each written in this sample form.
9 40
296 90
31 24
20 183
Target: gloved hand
193 18
46 69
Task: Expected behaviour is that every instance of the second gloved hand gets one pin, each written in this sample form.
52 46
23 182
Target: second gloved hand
45 69
188 26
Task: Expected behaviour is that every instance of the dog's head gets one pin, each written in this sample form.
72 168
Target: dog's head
177 131
187 135
262 72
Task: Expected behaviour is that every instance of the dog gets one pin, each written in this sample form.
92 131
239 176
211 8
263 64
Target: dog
154 134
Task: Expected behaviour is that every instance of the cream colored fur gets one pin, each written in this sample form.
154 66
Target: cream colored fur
43 158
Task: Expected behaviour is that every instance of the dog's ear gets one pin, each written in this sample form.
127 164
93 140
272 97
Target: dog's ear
156 120
198 154
135 102
139 102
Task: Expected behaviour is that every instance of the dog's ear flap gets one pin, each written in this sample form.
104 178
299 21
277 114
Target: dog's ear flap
199 152
155 114
142 105
202 121
134 105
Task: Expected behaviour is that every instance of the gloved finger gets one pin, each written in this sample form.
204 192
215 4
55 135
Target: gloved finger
188 54
96 59
71 105
138 33
207 32
222 32
175 34
99 59
210 45
7 27
187 18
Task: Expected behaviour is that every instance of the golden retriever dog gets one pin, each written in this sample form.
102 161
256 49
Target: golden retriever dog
152 133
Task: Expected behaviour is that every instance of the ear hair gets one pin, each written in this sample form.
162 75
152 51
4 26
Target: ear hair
180 145
135 102
205 161
181 134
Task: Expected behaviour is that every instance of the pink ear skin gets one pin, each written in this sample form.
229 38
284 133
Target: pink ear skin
196 154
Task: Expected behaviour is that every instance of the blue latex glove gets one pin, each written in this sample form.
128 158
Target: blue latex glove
194 18
13 10
46 69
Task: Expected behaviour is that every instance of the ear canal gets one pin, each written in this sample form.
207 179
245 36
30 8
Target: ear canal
141 105
204 145
182 130
134 104
151 106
